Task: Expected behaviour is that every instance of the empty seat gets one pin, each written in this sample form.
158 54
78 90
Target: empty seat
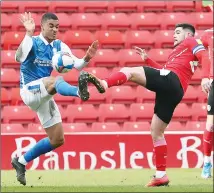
123 6
113 113
195 126
106 58
159 55
94 6
9 77
9 7
8 59
197 76
143 39
65 6
129 57
13 128
110 39
198 33
190 95
64 100
5 96
199 111
136 126
201 96
34 6
5 22
142 112
175 126
122 94
36 128
78 39
182 113
105 127
18 114
145 21
153 6
75 127
202 20
178 6
144 95
79 53
65 21
100 72
85 21
164 39
12 40
82 113
115 21
15 96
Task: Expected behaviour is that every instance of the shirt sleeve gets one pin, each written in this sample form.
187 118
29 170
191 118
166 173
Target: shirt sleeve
204 39
153 64
195 45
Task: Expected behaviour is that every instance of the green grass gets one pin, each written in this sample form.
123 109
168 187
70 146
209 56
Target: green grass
207 2
182 180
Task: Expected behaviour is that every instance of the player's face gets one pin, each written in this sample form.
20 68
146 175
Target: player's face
180 35
50 29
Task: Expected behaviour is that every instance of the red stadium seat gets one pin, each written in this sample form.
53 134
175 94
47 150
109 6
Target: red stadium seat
115 21
106 58
201 96
9 7
9 77
12 40
129 57
123 6
110 39
198 33
65 22
144 95
8 59
153 6
79 53
122 95
13 128
190 95
112 113
5 96
95 97
94 6
5 22
182 113
142 39
34 6
36 128
199 111
196 78
164 38
178 6
202 20
100 72
171 19
142 112
78 39
62 112
75 127
136 126
145 21
15 97
65 6
18 114
105 127
160 55
63 100
175 126
195 126
85 21
82 113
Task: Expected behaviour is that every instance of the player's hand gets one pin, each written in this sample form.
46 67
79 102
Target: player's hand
206 85
141 52
28 23
90 53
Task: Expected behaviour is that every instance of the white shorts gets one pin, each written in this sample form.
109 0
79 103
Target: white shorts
36 97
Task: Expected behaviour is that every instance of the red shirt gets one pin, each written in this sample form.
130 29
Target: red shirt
207 40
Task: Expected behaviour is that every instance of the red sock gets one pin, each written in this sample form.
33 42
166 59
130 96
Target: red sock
208 142
160 148
116 78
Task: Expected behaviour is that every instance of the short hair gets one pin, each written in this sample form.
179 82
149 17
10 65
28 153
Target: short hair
48 16
186 26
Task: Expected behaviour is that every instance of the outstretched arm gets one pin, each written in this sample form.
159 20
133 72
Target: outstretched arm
27 43
146 59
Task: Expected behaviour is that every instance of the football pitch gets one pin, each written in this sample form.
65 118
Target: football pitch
182 180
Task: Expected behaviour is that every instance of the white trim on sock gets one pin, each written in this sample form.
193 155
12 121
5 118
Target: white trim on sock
207 159
22 160
160 174
105 84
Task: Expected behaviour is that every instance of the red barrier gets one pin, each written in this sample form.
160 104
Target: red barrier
107 151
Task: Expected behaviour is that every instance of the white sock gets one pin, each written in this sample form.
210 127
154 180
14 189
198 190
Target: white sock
22 160
160 174
105 84
207 159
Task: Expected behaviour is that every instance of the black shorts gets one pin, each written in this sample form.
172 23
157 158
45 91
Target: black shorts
210 105
169 92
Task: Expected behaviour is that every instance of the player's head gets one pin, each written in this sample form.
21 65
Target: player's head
49 26
182 31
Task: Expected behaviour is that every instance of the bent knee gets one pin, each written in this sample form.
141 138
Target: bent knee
57 142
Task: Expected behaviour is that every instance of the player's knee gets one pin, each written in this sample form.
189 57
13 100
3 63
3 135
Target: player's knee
57 142
127 72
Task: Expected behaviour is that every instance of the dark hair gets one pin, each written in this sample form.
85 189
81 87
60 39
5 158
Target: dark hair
186 26
48 16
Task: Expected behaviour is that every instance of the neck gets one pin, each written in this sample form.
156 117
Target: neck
48 40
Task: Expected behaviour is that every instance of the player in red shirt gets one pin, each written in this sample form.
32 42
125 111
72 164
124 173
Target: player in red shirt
169 82
207 83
